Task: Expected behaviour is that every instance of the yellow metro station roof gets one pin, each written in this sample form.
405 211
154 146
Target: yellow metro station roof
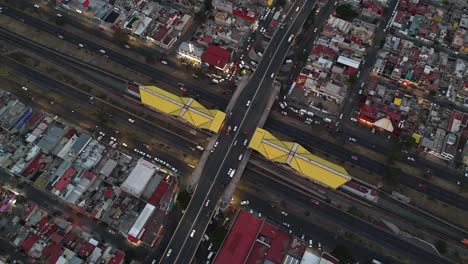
184 107
299 159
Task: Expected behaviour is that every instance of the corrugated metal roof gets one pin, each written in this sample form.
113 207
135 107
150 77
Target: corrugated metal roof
299 159
184 107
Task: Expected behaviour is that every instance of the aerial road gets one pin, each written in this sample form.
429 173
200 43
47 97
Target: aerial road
227 155
215 99
65 109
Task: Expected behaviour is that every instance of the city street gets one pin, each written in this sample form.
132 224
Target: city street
76 107
297 205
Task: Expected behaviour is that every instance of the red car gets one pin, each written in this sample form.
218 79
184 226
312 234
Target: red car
182 87
422 185
355 157
315 201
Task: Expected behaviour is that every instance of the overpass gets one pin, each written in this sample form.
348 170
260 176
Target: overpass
183 107
299 158
247 111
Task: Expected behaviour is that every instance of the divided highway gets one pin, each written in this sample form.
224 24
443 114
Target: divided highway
244 118
221 102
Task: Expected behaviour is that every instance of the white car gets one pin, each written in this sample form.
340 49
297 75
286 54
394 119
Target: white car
24 88
81 45
246 141
164 62
60 36
192 233
102 51
169 252
248 103
352 139
235 129
310 242
216 144
131 120
411 159
240 156
284 213
246 202
286 224
124 144
126 46
315 30
353 119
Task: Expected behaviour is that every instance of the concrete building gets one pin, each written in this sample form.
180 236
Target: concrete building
190 51
139 177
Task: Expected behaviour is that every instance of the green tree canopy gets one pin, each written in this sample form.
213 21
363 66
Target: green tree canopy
346 12
343 253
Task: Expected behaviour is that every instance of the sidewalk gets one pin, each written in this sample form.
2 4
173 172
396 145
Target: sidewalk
193 181
226 198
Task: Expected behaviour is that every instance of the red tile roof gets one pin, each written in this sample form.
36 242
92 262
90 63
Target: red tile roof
117 258
242 235
34 166
29 242
216 56
86 250
64 180
320 50
279 242
158 193
52 252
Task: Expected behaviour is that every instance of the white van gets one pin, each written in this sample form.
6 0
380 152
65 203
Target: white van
210 255
231 172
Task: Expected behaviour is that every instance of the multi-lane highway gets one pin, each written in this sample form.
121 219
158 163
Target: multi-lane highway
299 203
217 100
117 57
244 118
67 111
311 141
221 102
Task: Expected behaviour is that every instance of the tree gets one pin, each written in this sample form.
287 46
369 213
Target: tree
183 199
441 246
130 255
392 176
352 79
218 236
59 20
150 59
346 12
208 5
343 254
120 36
20 199
280 3
432 93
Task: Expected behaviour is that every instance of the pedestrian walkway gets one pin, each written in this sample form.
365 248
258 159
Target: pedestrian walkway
298 158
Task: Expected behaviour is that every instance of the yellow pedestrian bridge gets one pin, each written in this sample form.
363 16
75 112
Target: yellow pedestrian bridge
298 158
184 107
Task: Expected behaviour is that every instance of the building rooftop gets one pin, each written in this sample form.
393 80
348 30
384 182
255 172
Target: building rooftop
239 240
299 159
139 177
184 107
